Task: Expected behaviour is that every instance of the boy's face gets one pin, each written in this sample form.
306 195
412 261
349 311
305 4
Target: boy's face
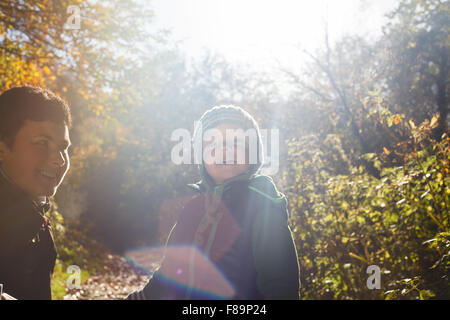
226 168
38 159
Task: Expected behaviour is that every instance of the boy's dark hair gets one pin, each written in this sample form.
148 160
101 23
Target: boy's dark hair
30 103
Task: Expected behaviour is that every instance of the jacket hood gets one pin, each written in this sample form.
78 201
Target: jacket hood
220 115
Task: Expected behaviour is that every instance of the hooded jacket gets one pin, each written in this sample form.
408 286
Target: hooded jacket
27 249
231 241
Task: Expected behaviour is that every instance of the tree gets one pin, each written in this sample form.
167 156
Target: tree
418 63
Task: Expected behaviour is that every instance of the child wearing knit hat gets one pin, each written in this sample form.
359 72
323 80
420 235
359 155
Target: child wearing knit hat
232 239
235 130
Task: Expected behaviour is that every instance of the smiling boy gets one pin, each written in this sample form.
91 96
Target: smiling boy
231 240
34 143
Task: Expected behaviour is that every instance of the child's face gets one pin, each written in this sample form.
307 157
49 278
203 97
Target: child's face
38 160
224 169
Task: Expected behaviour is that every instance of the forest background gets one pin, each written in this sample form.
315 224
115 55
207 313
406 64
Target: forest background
364 140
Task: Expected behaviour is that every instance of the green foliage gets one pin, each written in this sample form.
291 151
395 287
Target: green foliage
60 278
74 247
366 183
344 223
417 73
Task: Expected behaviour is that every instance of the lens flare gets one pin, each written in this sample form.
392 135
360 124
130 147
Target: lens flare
184 267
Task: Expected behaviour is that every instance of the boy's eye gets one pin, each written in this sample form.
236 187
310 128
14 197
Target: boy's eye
42 142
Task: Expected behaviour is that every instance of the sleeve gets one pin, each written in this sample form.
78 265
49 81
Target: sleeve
155 289
274 251
160 286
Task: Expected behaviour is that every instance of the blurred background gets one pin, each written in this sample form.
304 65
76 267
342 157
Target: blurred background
358 89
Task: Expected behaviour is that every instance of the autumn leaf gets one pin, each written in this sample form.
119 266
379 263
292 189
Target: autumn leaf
434 121
46 71
396 119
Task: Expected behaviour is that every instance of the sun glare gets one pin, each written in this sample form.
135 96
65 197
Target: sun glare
257 32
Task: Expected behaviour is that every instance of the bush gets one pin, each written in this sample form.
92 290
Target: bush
345 219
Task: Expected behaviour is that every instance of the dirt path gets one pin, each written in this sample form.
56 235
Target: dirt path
116 281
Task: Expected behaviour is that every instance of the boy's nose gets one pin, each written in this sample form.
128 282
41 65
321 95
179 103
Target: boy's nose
58 159
233 155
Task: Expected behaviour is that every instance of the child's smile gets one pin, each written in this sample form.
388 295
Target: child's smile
38 160
234 160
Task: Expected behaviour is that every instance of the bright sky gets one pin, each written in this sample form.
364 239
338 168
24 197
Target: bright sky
257 32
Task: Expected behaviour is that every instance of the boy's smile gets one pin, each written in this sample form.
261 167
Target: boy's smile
228 167
38 159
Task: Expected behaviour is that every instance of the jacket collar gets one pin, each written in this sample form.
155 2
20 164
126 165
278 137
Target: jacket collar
206 184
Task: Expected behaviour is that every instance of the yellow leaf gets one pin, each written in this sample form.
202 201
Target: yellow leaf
46 71
351 254
396 119
434 120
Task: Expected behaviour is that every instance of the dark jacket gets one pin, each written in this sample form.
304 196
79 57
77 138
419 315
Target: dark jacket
27 249
230 242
